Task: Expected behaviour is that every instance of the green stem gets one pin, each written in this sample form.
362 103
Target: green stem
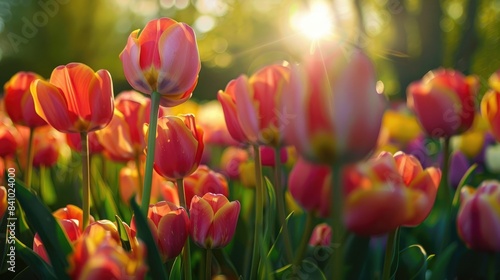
259 214
444 196
150 157
491 266
186 253
208 264
31 155
336 209
301 251
280 203
139 176
86 179
389 254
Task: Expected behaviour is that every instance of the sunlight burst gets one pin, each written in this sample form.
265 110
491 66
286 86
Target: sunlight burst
315 23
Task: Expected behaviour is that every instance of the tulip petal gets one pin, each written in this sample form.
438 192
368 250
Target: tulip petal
173 232
130 57
230 113
100 100
245 106
224 224
201 215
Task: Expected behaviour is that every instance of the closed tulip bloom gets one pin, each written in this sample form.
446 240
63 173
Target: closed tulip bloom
444 102
213 220
48 145
169 225
490 105
164 58
98 254
9 139
388 192
123 138
75 99
309 184
203 181
3 201
334 111
251 106
321 235
19 101
478 219
179 146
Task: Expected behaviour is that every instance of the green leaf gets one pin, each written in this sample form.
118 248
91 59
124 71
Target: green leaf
176 271
41 268
461 184
52 236
47 192
155 263
306 270
412 263
102 196
270 213
123 234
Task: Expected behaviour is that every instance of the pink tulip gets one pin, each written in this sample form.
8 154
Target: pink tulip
444 102
478 219
179 146
203 181
163 58
321 235
251 106
334 111
213 220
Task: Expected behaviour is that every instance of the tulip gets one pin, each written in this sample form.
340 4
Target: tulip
169 225
76 99
19 101
9 139
321 236
267 156
210 117
203 181
98 254
179 145
3 200
444 102
334 110
213 220
48 145
230 161
309 185
490 105
127 125
251 106
388 192
163 58
478 219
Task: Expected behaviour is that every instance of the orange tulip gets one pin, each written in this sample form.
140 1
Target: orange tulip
333 110
179 147
98 254
169 225
19 101
163 58
76 99
388 192
213 220
251 106
3 200
444 102
127 125
490 105
48 145
202 181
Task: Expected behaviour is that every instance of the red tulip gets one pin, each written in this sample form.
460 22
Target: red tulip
444 102
163 58
213 220
169 225
334 111
179 147
251 106
123 138
74 142
202 181
309 184
478 219
19 101
388 192
76 99
9 139
321 235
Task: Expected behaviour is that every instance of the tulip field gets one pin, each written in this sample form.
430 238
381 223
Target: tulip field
301 169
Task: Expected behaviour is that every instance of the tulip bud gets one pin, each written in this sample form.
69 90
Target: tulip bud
213 220
203 181
321 235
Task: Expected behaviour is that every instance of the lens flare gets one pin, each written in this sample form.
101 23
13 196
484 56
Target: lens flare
315 23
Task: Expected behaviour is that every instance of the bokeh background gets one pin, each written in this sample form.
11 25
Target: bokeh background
405 38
